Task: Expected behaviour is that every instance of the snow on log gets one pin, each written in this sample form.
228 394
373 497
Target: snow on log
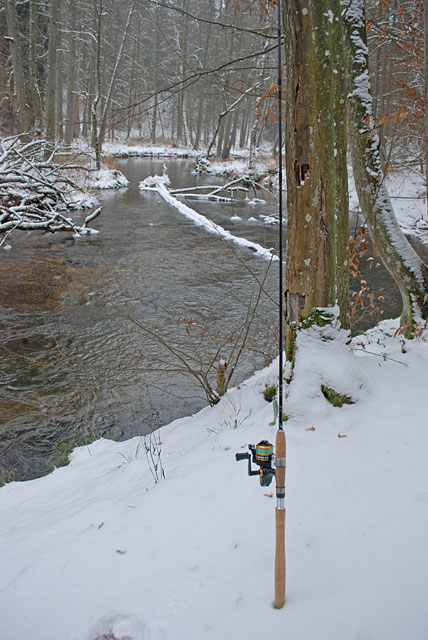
161 183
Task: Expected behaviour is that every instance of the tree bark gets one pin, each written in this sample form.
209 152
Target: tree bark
317 188
398 256
426 97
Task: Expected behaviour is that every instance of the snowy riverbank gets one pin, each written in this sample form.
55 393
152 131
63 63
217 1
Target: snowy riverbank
98 550
406 187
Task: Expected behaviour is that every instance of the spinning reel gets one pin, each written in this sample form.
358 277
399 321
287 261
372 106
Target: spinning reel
262 455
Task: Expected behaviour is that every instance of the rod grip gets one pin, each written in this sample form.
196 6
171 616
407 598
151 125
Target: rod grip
280 448
280 559
280 575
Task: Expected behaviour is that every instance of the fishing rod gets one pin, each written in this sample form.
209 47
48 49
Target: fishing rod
280 443
262 454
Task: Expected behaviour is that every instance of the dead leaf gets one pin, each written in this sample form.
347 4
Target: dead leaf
268 495
120 551
310 428
341 435
100 525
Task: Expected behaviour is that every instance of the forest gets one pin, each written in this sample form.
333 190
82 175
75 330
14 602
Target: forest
189 72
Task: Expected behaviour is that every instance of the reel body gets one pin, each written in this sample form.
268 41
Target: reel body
261 455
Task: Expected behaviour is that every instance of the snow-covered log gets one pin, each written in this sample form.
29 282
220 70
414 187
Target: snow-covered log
161 185
36 192
398 256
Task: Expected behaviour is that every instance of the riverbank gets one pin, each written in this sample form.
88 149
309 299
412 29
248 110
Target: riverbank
99 549
406 186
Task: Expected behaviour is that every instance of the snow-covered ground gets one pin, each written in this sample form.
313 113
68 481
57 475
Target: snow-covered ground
99 550
151 151
106 179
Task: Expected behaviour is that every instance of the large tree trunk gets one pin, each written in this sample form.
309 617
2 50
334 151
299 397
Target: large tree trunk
317 187
398 256
426 97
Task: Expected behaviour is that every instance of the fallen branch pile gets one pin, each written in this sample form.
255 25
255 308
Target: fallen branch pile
35 191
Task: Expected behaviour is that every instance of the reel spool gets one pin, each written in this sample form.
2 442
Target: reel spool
261 455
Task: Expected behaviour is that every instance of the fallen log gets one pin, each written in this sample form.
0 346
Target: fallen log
161 184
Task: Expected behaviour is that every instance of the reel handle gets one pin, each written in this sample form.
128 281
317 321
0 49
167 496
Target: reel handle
241 456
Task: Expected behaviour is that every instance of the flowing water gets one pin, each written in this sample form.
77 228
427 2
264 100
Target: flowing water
96 333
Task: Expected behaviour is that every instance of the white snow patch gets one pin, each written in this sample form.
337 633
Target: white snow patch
107 179
255 201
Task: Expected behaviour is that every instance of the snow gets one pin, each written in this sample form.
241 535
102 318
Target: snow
98 547
151 151
76 199
107 179
407 193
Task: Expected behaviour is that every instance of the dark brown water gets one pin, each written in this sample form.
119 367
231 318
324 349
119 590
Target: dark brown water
72 363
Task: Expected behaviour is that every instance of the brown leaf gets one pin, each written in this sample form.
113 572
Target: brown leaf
310 428
341 435
268 495
100 525
120 551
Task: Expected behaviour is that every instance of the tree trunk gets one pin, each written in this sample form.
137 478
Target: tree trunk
34 79
71 76
107 99
426 97
398 256
59 86
317 188
202 97
23 116
231 136
52 72
182 72
156 78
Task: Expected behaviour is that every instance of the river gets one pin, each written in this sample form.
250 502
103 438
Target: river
78 356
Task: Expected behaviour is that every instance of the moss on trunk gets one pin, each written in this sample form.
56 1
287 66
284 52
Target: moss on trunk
317 186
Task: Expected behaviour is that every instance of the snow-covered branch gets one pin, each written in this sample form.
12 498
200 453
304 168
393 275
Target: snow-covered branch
36 192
